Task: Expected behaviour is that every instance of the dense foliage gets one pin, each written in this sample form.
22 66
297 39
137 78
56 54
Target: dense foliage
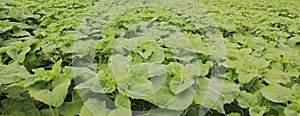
214 57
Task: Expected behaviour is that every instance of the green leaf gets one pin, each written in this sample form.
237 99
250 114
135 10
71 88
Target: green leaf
178 85
182 76
281 96
21 56
82 72
165 99
15 89
293 41
197 44
246 100
146 49
245 75
100 84
157 57
119 65
214 93
12 73
56 69
94 107
122 102
123 46
257 43
292 110
136 80
13 53
177 41
21 33
295 94
275 76
15 107
257 110
56 97
250 67
103 85
71 108
204 68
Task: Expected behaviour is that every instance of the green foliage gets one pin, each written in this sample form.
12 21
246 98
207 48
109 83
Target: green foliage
12 73
91 58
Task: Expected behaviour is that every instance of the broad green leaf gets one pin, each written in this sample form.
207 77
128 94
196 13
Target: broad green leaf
82 48
232 63
246 100
21 56
13 53
295 93
257 110
214 93
292 110
273 54
165 99
292 71
56 97
179 85
137 80
177 41
119 112
157 57
191 70
257 43
21 33
81 72
100 84
281 95
94 107
197 45
182 76
151 50
146 49
122 46
122 102
182 55
293 41
103 85
12 73
244 76
15 89
275 76
258 63
119 66
5 26
48 47
204 68
250 68
71 108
